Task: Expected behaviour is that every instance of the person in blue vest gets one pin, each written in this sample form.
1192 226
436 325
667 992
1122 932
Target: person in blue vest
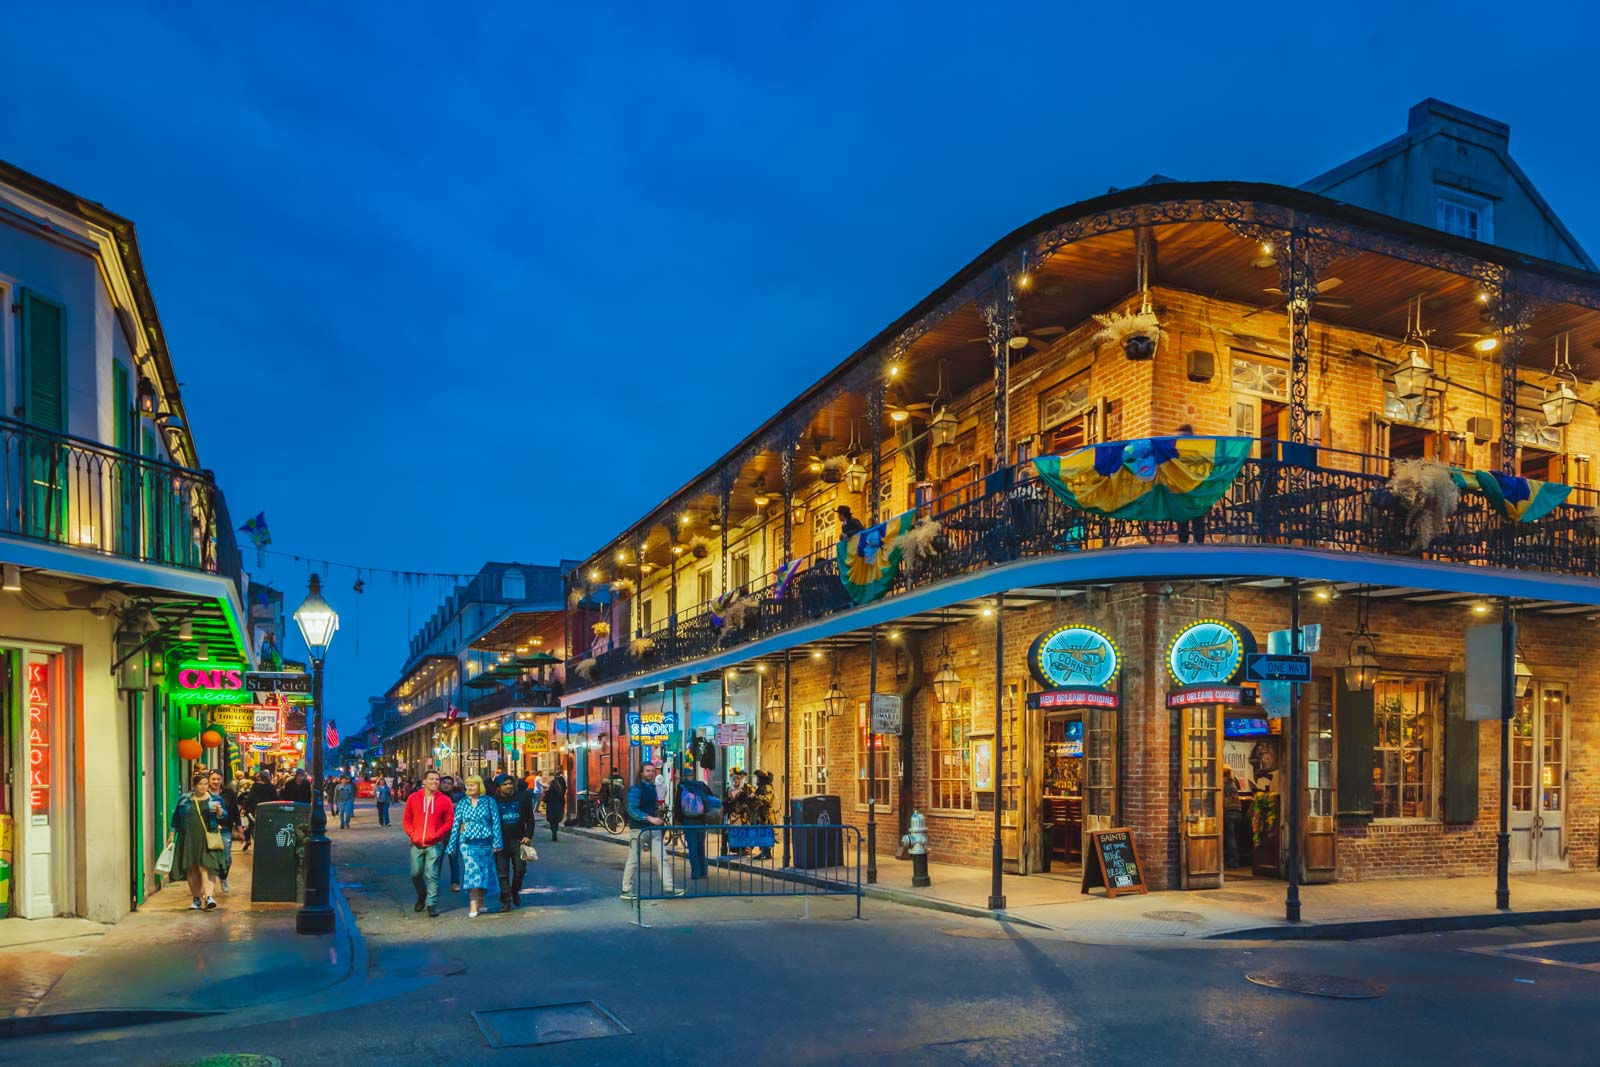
697 805
644 817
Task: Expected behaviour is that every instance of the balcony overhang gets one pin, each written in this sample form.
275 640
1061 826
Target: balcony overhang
1144 564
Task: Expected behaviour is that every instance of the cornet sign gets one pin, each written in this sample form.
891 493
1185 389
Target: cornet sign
1075 657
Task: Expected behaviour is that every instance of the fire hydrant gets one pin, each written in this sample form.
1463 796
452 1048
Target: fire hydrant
916 843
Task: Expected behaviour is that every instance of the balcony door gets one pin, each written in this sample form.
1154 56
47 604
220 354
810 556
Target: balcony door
1539 779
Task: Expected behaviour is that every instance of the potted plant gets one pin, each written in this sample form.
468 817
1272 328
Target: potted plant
1137 331
1429 493
1264 825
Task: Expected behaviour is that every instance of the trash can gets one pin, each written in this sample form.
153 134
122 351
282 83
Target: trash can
276 871
815 848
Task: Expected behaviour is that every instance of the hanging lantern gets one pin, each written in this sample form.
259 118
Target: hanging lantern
943 428
774 710
1413 376
855 476
1523 675
834 702
1361 662
146 392
1561 400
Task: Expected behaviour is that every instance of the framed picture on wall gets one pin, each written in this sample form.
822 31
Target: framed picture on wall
983 763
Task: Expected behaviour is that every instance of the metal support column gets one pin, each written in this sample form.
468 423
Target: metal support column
788 793
1508 708
997 896
1300 291
999 316
1291 899
872 768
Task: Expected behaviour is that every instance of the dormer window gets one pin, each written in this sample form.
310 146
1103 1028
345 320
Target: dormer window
1465 215
513 586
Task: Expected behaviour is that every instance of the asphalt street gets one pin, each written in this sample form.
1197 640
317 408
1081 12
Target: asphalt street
764 982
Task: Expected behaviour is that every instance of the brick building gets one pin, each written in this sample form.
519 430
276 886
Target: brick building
1394 379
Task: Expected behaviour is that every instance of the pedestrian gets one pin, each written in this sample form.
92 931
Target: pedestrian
225 795
475 837
1232 809
849 525
381 798
555 801
516 831
454 790
344 797
197 840
697 806
643 817
298 788
427 819
762 808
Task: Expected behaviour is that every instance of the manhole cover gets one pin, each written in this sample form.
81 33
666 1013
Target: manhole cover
1175 916
547 1024
232 1059
1318 985
1233 895
978 933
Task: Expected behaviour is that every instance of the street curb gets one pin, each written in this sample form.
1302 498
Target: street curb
876 892
1433 924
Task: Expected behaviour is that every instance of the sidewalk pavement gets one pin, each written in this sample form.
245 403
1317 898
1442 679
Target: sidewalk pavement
1244 908
166 961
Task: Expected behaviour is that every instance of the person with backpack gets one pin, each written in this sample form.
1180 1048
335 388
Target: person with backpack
697 805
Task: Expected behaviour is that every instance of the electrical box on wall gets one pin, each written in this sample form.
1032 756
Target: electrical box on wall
1202 365
1481 427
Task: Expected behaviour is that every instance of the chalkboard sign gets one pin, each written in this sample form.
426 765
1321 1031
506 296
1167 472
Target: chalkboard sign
1111 860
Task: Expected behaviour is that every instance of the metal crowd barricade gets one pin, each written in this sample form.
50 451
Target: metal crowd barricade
746 861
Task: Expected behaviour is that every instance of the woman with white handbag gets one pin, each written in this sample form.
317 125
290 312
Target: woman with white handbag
196 843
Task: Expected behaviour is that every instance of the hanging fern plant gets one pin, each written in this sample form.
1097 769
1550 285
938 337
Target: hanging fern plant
1430 496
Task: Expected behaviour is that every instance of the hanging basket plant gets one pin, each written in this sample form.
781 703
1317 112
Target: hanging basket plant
601 629
1138 332
1430 496
833 469
701 547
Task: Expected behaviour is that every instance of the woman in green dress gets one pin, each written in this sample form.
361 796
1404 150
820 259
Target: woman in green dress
196 825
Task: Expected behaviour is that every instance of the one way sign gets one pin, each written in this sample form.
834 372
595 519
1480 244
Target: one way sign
1268 667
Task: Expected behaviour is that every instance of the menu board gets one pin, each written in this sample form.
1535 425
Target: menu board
1111 861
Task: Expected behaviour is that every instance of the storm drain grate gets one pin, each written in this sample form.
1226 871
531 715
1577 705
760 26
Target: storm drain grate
546 1024
1189 917
1318 985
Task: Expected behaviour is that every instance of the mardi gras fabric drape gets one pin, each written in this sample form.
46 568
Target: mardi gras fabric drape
869 560
1518 499
1155 478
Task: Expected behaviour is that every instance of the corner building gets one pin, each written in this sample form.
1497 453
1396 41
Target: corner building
1109 458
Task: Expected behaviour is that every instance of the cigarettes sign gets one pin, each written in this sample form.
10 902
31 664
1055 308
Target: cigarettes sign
651 727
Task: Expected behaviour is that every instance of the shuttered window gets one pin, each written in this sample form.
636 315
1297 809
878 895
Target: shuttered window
44 351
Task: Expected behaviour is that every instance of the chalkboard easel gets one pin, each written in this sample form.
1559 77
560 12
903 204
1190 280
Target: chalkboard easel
1111 862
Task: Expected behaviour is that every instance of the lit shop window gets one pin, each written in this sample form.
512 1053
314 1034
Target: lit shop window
950 753
886 773
1405 766
813 753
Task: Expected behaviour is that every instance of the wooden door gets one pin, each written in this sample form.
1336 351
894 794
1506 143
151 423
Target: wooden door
1016 783
1033 788
1201 808
1099 769
1317 800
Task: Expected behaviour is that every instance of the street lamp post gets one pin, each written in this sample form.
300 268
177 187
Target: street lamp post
317 621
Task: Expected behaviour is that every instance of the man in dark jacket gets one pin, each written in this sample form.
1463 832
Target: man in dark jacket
298 789
516 829
644 817
262 791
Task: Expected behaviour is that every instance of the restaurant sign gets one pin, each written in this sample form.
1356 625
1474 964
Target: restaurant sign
536 742
1073 698
651 727
1074 656
1209 652
1199 695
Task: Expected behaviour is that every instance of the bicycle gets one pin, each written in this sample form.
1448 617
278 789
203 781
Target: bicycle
612 817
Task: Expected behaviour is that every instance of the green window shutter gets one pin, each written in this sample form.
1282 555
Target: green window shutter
1352 727
1460 753
121 407
44 362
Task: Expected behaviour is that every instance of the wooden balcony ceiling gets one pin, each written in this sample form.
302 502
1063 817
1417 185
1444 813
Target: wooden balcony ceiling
427 670
519 628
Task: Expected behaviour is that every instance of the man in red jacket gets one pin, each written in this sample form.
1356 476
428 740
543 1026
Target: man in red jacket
427 821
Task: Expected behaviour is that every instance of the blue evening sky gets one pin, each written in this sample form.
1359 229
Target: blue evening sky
455 282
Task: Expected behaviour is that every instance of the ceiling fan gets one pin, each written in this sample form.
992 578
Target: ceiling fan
1323 288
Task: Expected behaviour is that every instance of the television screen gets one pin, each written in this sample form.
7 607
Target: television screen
1245 728
1074 729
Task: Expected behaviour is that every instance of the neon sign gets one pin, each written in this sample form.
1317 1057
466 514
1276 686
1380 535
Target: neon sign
193 678
1209 652
39 738
1075 656
651 727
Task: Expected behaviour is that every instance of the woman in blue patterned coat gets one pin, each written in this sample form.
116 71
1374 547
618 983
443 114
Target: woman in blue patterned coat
476 834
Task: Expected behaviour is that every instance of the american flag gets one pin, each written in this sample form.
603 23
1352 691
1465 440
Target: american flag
333 735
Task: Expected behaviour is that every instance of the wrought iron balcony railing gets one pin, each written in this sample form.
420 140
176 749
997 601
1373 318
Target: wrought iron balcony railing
69 491
518 695
1273 502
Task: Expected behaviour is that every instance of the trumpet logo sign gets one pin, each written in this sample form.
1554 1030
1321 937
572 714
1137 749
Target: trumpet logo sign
1075 656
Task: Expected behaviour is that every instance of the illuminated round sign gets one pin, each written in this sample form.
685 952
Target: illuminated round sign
1209 652
1074 656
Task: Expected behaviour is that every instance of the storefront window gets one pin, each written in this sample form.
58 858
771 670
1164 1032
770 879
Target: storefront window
1405 747
1319 753
950 754
813 753
1100 762
886 770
